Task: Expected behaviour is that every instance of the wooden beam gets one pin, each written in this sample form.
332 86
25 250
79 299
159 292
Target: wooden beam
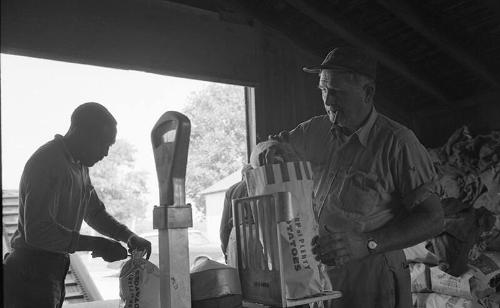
483 98
493 5
255 19
477 100
407 13
383 103
86 282
337 25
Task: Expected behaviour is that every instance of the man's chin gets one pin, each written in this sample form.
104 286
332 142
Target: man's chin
335 120
89 163
333 116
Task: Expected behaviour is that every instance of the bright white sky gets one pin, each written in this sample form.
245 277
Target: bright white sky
38 97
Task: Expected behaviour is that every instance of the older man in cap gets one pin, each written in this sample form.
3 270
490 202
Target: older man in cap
374 191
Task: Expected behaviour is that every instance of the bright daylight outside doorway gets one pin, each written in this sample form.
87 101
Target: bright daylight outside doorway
38 97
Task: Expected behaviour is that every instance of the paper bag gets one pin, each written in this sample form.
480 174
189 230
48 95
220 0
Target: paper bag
304 276
435 300
486 271
445 283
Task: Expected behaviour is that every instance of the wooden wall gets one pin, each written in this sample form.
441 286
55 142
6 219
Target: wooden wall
165 38
161 37
483 116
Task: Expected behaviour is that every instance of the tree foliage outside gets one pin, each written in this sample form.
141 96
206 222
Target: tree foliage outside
119 185
218 137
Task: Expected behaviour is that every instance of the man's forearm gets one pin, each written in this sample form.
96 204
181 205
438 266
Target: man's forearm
105 224
86 243
424 222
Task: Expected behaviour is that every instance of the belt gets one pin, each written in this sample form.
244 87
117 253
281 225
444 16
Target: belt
39 252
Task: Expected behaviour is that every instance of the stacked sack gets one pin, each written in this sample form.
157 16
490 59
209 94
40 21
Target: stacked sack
433 287
461 266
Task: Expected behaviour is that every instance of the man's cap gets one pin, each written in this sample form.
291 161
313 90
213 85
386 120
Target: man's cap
347 58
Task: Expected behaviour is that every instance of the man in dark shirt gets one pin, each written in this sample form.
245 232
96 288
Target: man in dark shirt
236 191
55 196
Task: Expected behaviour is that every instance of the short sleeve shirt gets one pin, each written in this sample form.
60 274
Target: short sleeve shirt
367 179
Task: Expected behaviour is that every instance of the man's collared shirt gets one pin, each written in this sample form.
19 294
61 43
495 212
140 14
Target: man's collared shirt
55 196
364 179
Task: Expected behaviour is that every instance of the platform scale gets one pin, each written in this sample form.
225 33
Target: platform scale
173 217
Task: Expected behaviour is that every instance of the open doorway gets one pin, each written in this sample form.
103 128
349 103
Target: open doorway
38 97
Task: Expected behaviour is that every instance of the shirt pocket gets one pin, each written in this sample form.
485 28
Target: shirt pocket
361 192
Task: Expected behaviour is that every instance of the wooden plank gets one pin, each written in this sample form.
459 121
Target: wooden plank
10 230
11 224
174 264
481 99
70 282
407 13
80 272
73 294
336 24
10 211
10 202
113 303
319 298
493 5
9 220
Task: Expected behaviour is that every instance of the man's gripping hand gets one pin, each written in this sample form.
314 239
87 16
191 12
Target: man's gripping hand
136 242
339 248
283 136
109 250
278 152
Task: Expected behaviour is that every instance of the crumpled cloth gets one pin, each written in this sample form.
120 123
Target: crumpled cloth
468 183
469 167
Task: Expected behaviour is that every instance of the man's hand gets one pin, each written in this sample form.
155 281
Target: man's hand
339 248
109 250
275 152
136 242
273 155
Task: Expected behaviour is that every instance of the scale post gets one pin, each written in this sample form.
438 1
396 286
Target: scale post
173 217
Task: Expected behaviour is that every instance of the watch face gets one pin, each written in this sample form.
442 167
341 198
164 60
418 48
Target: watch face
372 244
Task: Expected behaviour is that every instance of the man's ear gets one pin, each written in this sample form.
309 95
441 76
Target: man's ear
369 89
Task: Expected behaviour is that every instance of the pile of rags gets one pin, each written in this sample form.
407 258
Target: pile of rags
461 266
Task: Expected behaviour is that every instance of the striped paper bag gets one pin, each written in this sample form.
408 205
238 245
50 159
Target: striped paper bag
304 276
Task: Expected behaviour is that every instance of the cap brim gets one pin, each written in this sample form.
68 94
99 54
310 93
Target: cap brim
312 69
317 68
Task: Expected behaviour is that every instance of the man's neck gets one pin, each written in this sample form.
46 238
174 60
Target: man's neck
349 131
72 145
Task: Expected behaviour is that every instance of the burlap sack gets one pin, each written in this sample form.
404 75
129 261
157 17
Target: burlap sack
139 283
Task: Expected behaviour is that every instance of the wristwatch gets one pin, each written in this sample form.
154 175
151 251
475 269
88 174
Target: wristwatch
371 245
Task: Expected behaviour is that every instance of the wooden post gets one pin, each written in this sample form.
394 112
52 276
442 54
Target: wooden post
170 139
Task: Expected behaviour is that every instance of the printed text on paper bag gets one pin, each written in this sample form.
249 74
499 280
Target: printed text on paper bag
297 244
